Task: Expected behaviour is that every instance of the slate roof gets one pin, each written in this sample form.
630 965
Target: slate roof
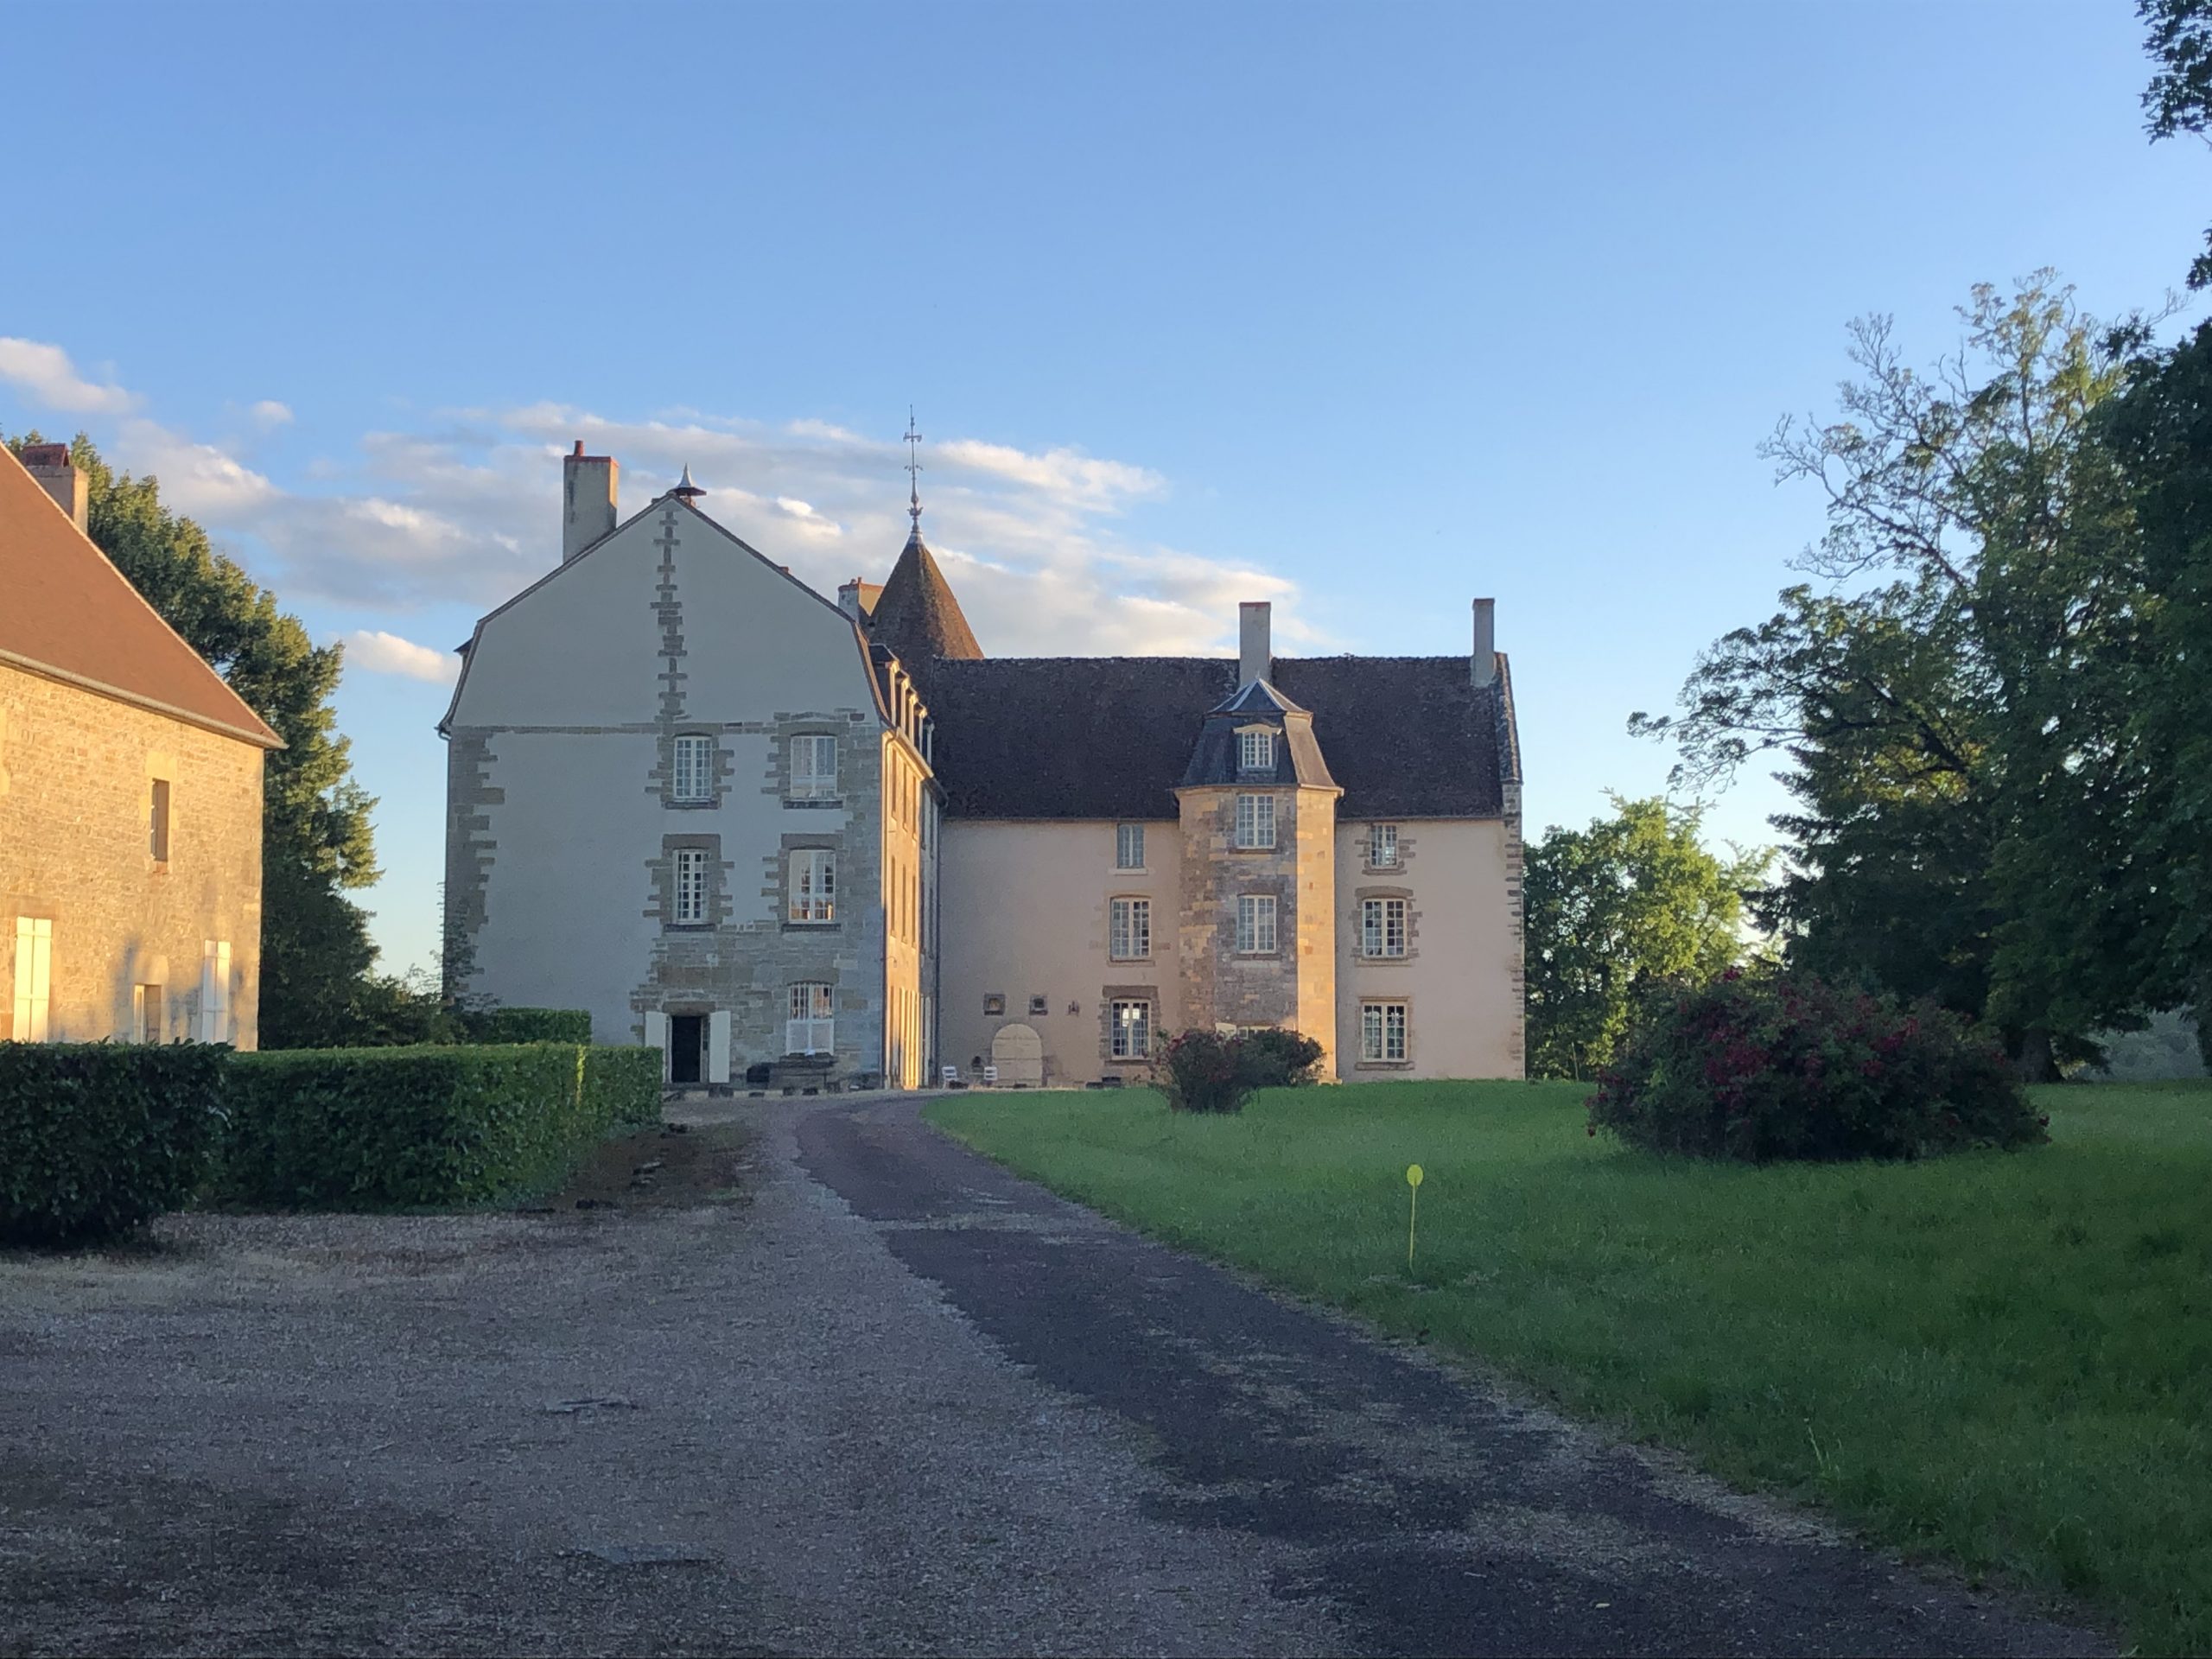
1218 757
917 616
66 612
1110 737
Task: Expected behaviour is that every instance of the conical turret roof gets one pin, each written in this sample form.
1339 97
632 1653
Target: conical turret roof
917 615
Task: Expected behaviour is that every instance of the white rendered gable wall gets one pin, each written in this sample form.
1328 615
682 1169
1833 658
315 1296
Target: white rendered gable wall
556 735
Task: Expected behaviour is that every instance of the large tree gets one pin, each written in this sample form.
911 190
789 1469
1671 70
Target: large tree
1950 691
316 837
1631 902
2179 98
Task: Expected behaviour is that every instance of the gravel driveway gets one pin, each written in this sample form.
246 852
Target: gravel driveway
892 1402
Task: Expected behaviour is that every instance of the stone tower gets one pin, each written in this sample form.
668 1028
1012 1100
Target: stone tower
1257 937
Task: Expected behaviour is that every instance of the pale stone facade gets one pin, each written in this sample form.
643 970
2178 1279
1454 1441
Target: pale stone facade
131 800
1043 868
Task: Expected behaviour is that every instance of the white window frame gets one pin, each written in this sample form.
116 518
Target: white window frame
813 758
1129 929
1256 750
34 1000
1128 846
812 887
692 768
1131 1037
148 1014
1382 846
689 881
1256 824
215 991
1385 1029
810 1024
1383 928
1256 925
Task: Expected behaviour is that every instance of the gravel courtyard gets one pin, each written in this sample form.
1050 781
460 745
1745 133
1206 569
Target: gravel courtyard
879 1398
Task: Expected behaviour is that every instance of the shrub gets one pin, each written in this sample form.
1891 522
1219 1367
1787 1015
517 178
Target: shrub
385 1128
526 1026
96 1138
1783 1066
1275 1058
1203 1072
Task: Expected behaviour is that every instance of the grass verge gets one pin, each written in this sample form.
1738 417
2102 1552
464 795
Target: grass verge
2002 1359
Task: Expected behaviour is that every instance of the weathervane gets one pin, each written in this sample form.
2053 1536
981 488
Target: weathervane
913 471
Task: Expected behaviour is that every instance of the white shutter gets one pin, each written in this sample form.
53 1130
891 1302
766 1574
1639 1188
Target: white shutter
657 1037
34 977
718 1046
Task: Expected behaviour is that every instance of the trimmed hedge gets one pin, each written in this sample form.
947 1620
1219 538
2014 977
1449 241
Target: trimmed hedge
501 1026
96 1138
427 1127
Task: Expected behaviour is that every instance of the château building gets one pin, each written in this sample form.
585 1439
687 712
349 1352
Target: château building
833 843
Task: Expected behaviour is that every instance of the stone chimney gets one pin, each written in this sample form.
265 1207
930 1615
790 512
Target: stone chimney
1484 662
58 476
1255 660
588 495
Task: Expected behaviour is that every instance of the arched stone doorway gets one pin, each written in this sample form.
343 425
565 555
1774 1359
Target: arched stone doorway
1019 1053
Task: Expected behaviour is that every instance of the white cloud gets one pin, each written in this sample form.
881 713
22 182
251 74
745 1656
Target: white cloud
387 653
465 510
47 374
270 413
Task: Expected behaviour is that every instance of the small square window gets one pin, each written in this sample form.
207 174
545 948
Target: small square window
1037 1005
1256 750
994 1003
1128 847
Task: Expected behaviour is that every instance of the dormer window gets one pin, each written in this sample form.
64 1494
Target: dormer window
1256 750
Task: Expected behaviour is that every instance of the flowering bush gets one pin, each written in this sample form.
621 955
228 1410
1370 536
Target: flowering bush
1767 1067
1203 1072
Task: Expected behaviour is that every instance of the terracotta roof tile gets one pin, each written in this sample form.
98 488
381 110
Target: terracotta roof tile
64 609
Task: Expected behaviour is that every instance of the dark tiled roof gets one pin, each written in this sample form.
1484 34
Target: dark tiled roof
1109 737
917 616
1216 757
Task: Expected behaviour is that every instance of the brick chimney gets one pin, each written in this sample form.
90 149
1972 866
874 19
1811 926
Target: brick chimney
1485 657
1254 657
588 484
58 476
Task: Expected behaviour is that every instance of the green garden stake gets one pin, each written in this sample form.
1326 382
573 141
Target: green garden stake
1413 1216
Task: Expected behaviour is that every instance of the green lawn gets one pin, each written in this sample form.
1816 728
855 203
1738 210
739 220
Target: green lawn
2005 1360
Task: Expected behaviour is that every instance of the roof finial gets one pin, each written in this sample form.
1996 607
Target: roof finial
913 474
687 489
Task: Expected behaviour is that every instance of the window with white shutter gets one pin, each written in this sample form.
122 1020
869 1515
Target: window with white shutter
33 978
215 991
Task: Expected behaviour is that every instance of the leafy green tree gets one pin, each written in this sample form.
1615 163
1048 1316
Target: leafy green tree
317 841
1633 901
2160 432
1952 695
2179 98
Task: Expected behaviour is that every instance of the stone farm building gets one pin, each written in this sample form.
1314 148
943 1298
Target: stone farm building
759 828
130 795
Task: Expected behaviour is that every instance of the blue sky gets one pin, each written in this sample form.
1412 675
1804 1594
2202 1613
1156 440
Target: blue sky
1367 309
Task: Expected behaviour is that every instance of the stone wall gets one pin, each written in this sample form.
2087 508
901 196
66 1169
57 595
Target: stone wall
77 772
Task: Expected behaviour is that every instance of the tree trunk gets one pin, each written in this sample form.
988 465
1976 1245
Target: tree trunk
2032 1058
